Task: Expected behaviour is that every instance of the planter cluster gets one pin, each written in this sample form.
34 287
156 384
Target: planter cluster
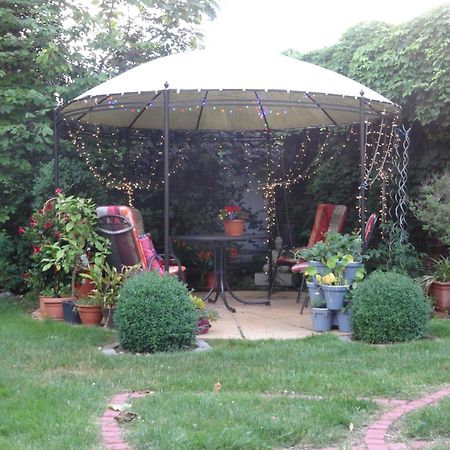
329 301
333 266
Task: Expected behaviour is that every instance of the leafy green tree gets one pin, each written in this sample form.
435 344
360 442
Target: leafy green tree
408 63
35 57
55 49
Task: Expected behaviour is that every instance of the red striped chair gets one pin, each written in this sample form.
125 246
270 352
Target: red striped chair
301 266
328 217
130 245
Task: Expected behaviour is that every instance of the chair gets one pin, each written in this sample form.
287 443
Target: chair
130 245
328 217
301 266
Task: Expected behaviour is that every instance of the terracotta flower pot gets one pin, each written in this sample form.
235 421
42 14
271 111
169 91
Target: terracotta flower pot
90 315
209 280
440 291
234 227
42 311
54 307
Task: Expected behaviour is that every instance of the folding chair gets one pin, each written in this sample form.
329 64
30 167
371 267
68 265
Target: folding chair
328 217
301 266
130 245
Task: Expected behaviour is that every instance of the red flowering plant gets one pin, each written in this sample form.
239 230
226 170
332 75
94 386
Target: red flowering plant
59 233
232 212
205 259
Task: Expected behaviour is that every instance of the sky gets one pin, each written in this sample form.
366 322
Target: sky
276 25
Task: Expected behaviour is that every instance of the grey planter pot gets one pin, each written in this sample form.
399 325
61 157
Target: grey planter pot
322 319
321 268
344 321
315 293
334 296
350 271
70 314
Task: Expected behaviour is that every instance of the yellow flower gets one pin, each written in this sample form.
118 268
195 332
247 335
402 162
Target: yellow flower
328 279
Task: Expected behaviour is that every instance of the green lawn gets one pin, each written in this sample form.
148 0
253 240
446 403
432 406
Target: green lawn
429 423
55 384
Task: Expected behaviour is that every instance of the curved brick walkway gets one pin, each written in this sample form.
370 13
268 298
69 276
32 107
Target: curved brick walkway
374 439
111 433
376 434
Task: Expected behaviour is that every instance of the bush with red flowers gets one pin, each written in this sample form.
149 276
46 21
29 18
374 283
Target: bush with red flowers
232 212
59 233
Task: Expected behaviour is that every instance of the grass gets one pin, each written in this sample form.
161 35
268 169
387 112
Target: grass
274 393
430 423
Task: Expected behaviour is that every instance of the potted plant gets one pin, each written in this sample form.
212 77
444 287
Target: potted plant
314 289
322 317
70 312
90 310
333 283
205 263
335 247
205 316
345 313
438 284
233 218
59 233
106 281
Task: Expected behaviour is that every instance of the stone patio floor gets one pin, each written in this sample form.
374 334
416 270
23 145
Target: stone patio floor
280 320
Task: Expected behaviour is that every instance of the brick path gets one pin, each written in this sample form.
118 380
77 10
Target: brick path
374 439
111 433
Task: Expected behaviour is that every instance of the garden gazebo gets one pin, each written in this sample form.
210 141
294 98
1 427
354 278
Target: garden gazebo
207 91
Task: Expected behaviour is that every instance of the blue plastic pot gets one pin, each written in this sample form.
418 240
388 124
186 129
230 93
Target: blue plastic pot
315 293
350 271
344 321
334 296
322 319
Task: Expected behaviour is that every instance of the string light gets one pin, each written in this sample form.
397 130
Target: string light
147 158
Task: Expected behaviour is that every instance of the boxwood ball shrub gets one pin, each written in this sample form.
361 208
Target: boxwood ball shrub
389 307
155 314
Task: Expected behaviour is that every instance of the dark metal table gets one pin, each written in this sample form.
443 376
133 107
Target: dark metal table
219 243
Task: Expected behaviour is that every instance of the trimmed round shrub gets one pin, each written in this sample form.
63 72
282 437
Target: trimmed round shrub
389 307
155 314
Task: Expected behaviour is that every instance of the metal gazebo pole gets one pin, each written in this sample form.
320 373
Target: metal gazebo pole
55 149
362 184
166 176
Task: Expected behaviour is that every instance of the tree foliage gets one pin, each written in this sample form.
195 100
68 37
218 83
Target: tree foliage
408 63
54 49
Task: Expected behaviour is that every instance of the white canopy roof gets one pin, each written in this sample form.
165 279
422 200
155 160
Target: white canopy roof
216 91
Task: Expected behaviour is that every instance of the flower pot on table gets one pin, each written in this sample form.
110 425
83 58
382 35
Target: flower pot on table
234 227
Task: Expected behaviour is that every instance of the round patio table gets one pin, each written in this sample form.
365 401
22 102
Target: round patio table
219 243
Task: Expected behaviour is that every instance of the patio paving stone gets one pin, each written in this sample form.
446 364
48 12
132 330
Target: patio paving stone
280 320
